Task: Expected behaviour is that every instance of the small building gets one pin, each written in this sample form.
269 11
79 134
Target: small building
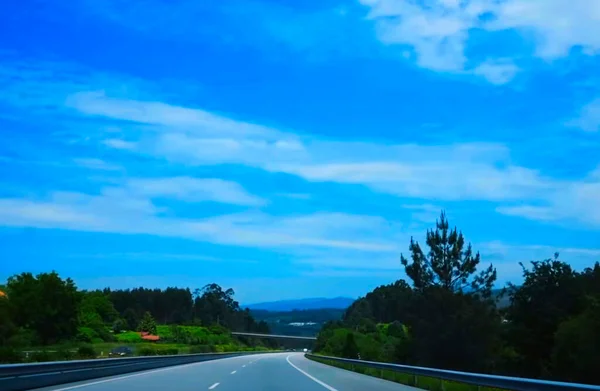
146 336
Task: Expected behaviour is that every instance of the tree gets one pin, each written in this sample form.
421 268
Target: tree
448 264
148 324
576 352
118 326
45 303
131 319
552 292
7 326
350 349
451 304
97 302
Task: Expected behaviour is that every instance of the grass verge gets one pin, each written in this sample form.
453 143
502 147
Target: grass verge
423 382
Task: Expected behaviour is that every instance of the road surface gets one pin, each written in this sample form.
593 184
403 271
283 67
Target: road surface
264 372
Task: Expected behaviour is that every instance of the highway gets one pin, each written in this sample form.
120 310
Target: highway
264 372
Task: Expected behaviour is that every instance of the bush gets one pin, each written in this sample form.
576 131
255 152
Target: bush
65 354
24 338
86 334
86 351
203 349
168 352
40 356
129 337
9 356
146 351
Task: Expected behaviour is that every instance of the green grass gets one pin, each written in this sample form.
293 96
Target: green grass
423 382
129 337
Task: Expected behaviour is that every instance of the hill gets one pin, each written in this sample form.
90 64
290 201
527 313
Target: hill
303 304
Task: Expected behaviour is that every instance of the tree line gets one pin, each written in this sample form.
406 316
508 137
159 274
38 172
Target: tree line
46 309
445 315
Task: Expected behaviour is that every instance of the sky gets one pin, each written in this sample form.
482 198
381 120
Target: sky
291 149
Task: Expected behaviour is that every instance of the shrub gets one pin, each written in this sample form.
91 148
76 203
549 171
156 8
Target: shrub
146 351
167 352
24 338
86 334
9 356
129 337
202 349
65 354
86 351
40 356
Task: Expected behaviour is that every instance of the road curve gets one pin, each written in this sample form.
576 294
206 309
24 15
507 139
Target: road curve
264 372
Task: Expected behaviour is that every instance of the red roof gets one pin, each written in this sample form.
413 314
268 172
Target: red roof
146 336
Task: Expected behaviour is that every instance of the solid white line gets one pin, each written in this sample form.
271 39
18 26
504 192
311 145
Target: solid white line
310 376
233 372
213 386
142 374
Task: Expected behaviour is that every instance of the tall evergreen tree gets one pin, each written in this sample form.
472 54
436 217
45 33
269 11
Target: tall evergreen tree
448 263
148 324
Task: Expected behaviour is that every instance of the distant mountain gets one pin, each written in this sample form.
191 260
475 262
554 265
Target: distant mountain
303 304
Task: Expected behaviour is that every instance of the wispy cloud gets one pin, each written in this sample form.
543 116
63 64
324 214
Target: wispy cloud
96 164
497 71
440 31
119 210
461 171
194 190
119 144
588 118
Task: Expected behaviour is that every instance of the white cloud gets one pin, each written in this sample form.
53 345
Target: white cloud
119 144
577 201
558 25
436 30
506 257
589 117
194 189
126 213
439 30
469 171
158 113
96 164
497 71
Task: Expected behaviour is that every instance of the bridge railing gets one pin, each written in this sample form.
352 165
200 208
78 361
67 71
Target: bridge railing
477 379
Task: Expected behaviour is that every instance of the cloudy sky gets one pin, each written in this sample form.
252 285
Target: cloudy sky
291 149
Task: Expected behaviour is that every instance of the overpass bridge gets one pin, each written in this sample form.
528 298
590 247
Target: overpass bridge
279 336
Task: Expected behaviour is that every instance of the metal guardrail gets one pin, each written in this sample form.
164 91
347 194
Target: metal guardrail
18 377
483 380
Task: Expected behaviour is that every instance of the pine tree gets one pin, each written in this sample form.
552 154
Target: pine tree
448 264
148 324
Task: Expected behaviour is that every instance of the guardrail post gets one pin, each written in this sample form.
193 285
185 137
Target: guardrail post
415 380
442 386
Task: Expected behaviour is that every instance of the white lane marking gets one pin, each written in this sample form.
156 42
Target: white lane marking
213 386
310 376
243 366
233 372
142 374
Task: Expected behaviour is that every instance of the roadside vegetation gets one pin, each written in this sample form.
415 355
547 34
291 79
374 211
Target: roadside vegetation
47 318
445 315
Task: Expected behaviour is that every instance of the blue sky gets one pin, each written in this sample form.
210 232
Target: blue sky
291 149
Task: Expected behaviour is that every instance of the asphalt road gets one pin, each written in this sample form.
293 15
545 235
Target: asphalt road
265 372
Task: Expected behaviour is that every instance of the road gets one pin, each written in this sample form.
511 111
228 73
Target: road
264 372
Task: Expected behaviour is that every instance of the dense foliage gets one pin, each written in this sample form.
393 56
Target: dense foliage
37 311
447 316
